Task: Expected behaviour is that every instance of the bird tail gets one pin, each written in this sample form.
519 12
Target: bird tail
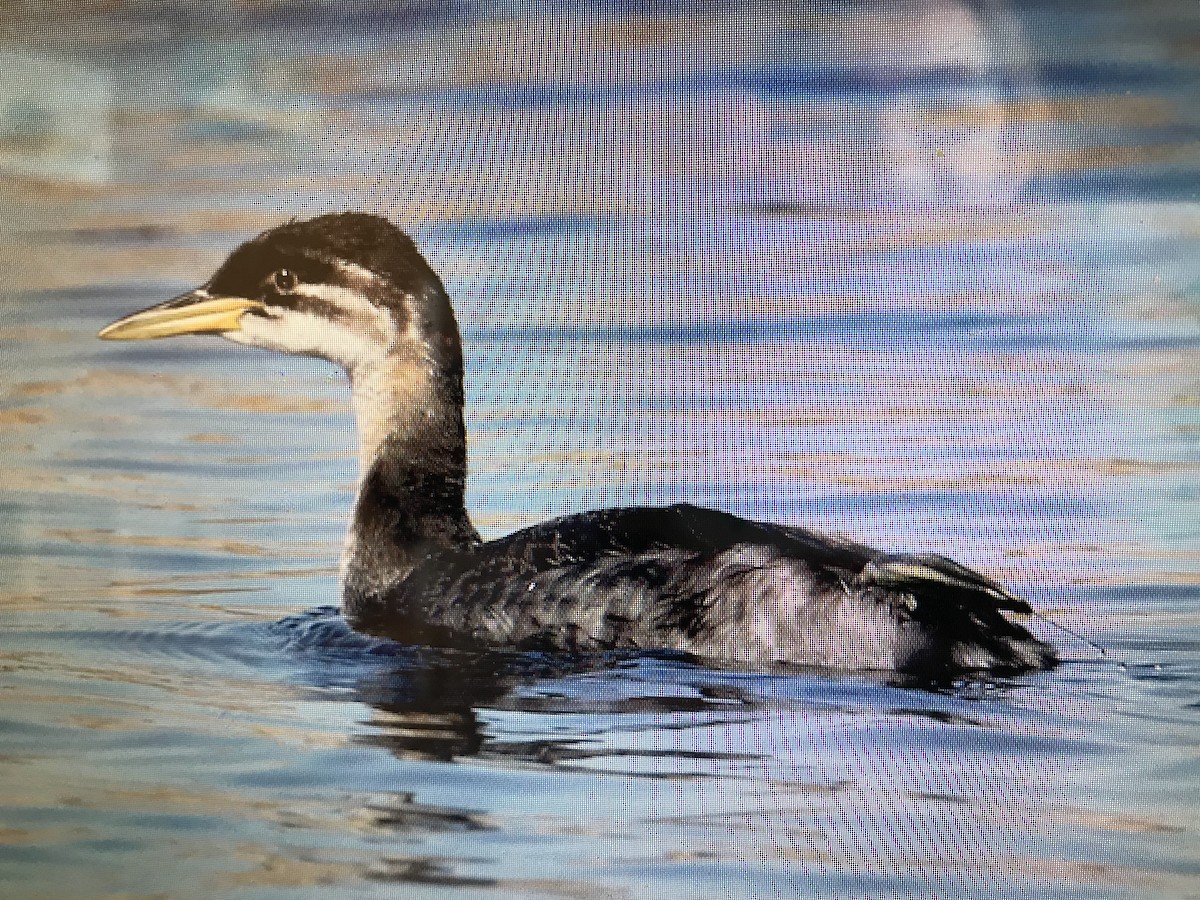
963 612
933 576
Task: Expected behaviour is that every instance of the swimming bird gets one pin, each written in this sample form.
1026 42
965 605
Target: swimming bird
353 289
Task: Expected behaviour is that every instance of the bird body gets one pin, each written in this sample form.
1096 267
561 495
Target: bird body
352 288
701 582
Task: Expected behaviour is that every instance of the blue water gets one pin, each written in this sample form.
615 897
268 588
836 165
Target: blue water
926 276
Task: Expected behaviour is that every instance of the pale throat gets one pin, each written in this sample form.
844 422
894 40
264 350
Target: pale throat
392 396
400 415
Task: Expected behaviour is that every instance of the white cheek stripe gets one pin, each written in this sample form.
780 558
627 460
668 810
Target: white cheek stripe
354 270
365 319
350 301
362 339
366 276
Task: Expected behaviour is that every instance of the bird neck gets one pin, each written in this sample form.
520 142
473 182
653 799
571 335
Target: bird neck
412 469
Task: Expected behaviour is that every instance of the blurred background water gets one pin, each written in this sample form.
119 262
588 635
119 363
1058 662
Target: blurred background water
925 273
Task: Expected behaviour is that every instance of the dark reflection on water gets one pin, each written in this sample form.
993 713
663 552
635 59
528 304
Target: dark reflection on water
738 747
426 699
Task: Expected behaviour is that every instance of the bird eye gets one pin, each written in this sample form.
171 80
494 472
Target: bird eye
285 280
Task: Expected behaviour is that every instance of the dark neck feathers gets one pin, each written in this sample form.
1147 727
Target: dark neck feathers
413 465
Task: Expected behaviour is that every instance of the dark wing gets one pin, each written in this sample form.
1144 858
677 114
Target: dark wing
937 578
685 577
621 572
682 527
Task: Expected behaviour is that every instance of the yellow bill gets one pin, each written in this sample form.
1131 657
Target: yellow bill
195 313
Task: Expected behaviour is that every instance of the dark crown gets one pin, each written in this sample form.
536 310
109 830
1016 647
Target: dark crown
312 248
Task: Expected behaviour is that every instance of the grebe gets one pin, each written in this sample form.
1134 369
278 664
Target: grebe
353 289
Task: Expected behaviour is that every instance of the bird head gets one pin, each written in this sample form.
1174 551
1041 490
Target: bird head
351 288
